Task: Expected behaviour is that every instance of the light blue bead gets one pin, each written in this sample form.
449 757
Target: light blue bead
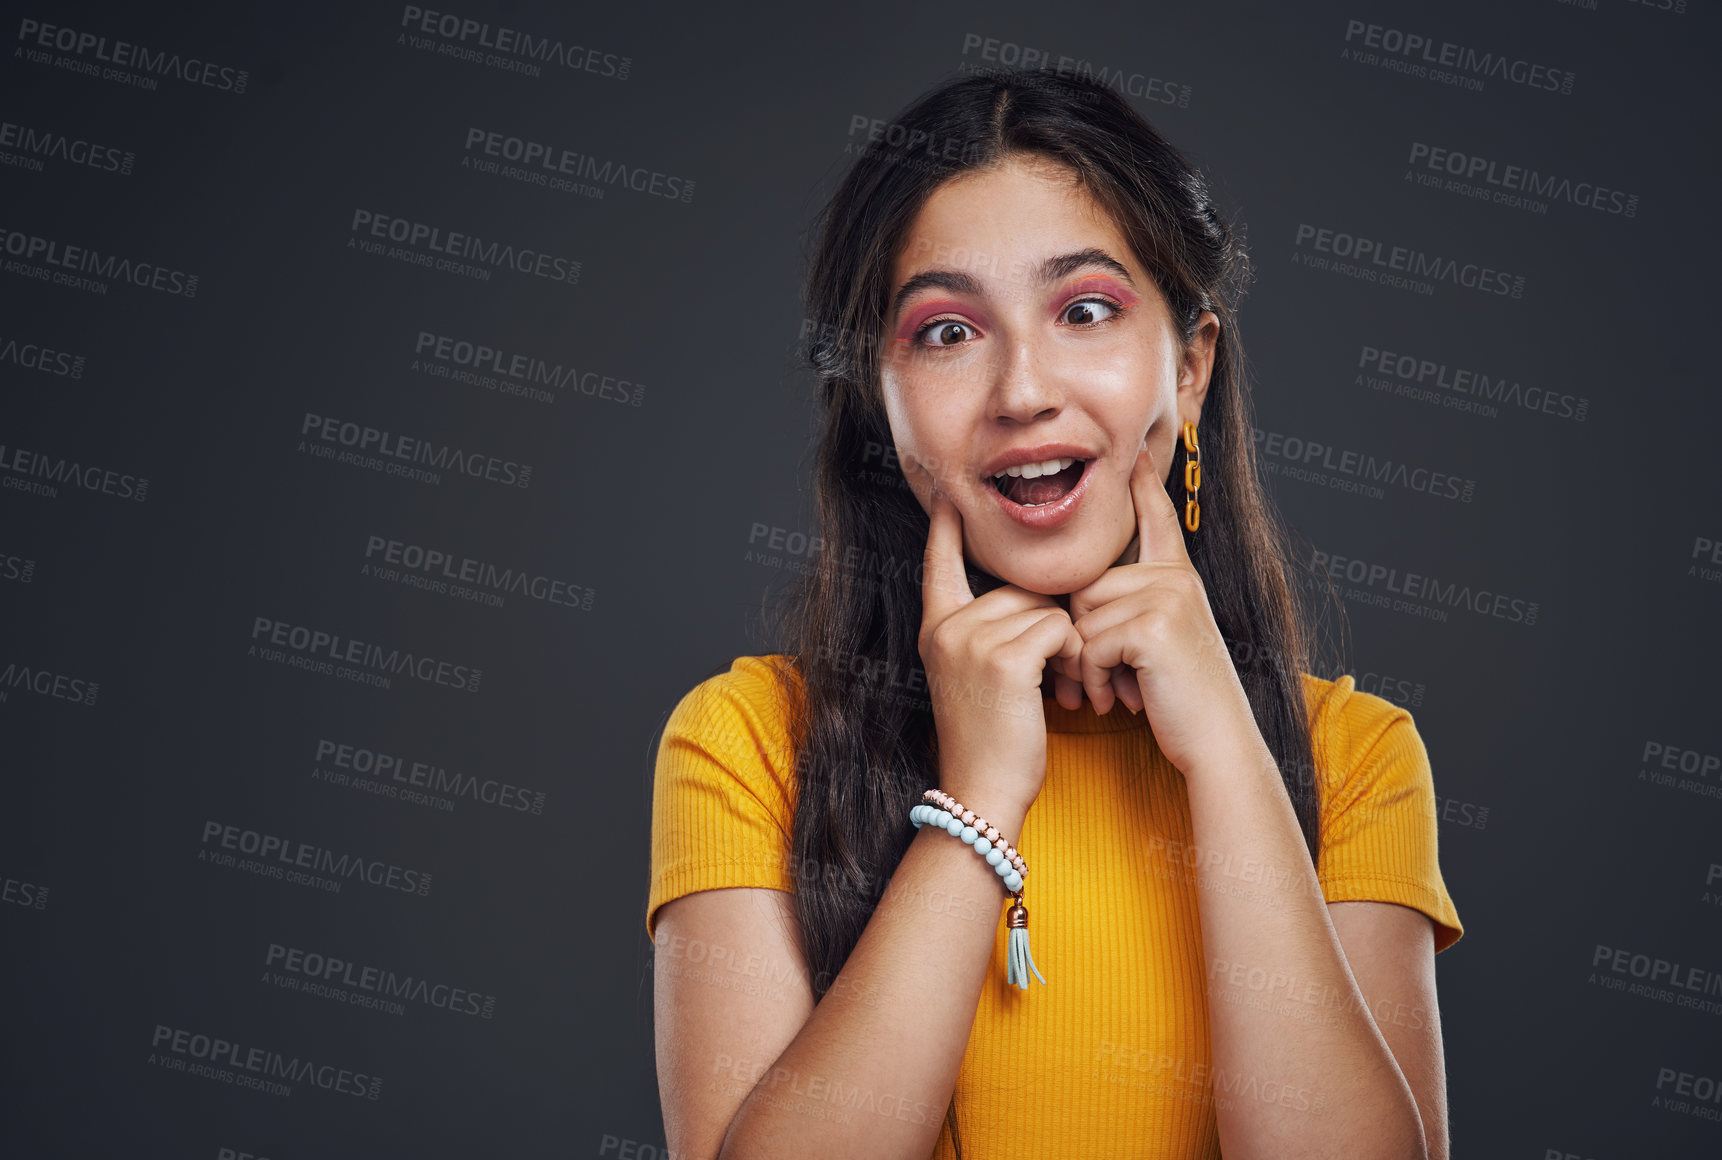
955 825
995 856
969 835
982 845
941 819
915 814
1014 881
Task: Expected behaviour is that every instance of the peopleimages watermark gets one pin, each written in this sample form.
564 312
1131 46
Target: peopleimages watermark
433 246
232 1062
35 356
80 267
272 856
362 985
1517 186
565 170
1663 762
17 569
37 472
499 46
515 373
1312 460
450 574
1459 65
362 763
1704 1094
17 892
998 55
1420 594
45 682
390 451
1462 388
1709 550
116 60
331 654
1405 266
35 146
1663 980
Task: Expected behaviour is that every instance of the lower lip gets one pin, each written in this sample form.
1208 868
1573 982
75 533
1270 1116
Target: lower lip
1046 516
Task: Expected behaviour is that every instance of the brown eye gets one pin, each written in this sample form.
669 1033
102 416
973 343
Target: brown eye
1088 312
946 333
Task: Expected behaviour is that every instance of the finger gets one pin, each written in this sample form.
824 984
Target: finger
1066 687
944 585
1008 599
1068 692
1006 631
1100 657
1159 530
1124 684
1049 635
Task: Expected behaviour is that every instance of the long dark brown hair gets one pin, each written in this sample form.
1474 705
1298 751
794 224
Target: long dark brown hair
860 723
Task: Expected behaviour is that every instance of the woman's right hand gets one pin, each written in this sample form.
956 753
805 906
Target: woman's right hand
986 658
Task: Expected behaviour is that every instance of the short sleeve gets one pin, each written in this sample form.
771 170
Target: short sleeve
1379 839
722 788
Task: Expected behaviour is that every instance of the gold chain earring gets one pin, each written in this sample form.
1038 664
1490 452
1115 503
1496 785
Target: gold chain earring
1192 478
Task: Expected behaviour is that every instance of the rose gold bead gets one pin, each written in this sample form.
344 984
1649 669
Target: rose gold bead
993 834
968 817
1010 853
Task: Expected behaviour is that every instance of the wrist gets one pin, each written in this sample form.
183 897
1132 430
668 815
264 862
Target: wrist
1236 760
997 809
1000 812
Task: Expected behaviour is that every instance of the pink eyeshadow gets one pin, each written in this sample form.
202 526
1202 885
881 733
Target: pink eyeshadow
918 316
1100 284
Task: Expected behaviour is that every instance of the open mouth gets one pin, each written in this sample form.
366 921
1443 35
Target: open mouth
1038 484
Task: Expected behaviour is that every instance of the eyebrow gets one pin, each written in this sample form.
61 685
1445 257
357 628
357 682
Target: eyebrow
1063 265
1051 270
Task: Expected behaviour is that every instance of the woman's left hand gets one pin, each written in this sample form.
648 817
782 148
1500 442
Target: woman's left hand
1151 620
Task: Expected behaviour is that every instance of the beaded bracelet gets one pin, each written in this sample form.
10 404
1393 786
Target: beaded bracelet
946 812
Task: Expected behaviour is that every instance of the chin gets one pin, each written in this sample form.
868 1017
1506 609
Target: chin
1056 580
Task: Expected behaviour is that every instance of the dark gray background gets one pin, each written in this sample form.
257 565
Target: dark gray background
1545 727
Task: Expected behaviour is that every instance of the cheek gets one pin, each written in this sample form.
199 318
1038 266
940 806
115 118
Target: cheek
927 427
1127 393
913 436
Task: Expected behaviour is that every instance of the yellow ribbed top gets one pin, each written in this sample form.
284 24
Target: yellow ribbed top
1111 1057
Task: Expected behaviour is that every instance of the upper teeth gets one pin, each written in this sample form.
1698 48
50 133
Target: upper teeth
1036 470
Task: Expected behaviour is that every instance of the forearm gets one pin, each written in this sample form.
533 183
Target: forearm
1300 1068
871 1071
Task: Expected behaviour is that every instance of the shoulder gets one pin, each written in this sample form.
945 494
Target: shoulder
738 721
1363 743
752 690
1338 709
1378 835
723 788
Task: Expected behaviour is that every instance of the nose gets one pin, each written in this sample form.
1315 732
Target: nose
1022 391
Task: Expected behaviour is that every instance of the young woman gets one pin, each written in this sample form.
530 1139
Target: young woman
1038 502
